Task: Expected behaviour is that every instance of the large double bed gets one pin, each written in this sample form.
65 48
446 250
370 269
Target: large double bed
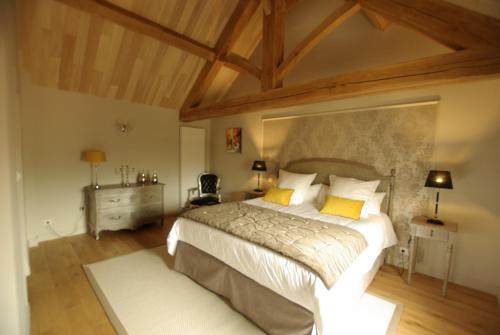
279 294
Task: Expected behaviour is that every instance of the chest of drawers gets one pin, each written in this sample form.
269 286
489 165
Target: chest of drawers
114 207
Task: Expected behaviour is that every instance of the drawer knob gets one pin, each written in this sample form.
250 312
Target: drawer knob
115 217
114 200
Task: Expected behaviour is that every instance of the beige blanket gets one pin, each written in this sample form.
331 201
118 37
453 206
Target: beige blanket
326 249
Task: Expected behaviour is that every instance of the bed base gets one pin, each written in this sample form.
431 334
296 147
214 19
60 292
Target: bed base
270 311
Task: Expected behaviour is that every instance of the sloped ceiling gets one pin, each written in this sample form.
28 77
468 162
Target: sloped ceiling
66 48
69 49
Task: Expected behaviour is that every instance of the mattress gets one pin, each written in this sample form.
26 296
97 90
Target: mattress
285 276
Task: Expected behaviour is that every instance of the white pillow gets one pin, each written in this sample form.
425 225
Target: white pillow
373 205
320 200
298 182
354 189
312 193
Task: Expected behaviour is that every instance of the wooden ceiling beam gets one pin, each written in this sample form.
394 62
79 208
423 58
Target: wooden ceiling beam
241 64
273 44
451 25
227 39
334 20
453 67
267 6
378 21
142 25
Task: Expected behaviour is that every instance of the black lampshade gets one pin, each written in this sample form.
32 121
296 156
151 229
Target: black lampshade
259 166
439 179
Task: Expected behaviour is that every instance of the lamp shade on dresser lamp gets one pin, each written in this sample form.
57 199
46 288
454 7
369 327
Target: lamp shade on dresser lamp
259 166
94 157
440 180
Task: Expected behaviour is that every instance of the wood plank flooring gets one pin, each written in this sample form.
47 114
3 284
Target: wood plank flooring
63 301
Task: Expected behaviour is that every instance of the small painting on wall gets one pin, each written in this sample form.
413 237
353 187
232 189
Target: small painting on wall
233 140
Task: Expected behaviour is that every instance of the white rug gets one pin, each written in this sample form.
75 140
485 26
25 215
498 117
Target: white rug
142 296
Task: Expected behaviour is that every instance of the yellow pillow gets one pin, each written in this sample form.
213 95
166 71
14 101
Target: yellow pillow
279 196
345 207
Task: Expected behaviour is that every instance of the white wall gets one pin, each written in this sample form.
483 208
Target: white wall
14 307
58 125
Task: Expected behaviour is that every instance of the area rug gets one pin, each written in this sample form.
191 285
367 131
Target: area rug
142 296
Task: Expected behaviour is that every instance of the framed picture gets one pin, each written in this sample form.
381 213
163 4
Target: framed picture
233 140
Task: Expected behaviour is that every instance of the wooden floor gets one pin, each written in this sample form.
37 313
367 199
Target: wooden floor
63 301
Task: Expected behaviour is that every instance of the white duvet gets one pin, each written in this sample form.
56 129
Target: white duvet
285 276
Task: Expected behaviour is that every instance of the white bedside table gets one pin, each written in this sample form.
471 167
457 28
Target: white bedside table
444 233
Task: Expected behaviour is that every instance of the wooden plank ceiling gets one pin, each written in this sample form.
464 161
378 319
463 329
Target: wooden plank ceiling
70 49
186 54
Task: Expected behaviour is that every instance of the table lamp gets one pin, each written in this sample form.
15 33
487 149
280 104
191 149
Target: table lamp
94 157
438 179
259 166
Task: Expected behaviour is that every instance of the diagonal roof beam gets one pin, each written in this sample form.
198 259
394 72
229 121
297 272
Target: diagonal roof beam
328 25
142 25
241 64
448 24
453 67
230 34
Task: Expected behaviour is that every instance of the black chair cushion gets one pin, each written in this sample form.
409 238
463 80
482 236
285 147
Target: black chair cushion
205 201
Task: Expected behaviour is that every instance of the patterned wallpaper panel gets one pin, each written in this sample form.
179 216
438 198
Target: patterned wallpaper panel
400 138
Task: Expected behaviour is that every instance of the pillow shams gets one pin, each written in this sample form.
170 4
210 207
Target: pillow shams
323 192
298 182
312 193
354 189
373 205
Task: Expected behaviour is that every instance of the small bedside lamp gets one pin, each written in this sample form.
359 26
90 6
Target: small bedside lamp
438 179
259 166
94 157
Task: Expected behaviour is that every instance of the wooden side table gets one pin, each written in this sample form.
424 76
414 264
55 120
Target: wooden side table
253 194
444 233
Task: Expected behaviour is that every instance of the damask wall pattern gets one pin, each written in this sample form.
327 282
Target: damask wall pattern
400 138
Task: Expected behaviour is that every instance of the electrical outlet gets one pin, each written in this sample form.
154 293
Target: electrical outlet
403 251
47 222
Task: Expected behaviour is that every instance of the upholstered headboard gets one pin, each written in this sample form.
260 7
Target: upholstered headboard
324 167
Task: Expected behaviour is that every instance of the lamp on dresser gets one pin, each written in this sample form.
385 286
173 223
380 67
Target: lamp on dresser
438 179
94 157
259 166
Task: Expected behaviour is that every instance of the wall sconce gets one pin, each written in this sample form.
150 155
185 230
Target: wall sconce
123 127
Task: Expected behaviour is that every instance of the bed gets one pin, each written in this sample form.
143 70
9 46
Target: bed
278 294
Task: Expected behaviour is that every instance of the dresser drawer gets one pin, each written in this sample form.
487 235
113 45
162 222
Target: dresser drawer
430 233
143 197
113 218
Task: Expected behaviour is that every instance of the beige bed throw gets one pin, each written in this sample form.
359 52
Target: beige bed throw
326 249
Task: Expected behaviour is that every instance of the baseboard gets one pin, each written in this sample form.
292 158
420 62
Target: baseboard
35 241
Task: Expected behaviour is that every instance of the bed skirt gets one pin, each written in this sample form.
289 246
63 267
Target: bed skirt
273 313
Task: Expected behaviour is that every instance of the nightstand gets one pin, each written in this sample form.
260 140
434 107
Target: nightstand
443 233
253 194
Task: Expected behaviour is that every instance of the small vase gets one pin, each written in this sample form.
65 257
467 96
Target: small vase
154 179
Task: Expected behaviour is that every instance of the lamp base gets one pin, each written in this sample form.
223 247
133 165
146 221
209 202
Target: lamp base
435 221
258 190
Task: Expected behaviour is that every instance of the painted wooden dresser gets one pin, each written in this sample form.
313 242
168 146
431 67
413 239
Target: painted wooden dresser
115 207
